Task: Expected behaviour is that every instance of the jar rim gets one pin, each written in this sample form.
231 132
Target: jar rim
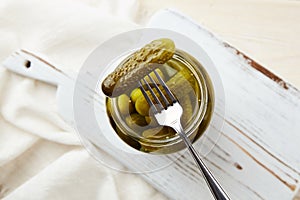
193 65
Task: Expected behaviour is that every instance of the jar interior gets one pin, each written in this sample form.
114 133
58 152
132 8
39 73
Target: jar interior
130 117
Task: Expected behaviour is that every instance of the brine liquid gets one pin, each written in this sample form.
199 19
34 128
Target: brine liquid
130 117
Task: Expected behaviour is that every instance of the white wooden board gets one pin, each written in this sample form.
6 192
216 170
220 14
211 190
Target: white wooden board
257 156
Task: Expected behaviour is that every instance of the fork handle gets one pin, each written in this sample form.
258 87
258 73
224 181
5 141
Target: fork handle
215 188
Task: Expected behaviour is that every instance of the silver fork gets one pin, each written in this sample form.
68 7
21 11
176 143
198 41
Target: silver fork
168 113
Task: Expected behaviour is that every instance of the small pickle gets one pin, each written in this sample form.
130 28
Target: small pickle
133 143
135 94
159 133
181 84
148 149
109 106
153 76
176 65
125 105
142 107
151 121
135 120
125 77
188 110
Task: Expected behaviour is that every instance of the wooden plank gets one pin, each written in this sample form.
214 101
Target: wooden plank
260 135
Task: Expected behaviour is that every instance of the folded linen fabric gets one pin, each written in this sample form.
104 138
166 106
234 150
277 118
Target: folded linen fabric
40 158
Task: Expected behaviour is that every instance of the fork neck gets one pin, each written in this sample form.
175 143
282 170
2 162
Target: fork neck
178 128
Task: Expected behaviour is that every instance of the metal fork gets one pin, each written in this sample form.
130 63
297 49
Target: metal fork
168 113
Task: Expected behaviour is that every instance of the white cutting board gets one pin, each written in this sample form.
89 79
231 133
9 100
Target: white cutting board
257 154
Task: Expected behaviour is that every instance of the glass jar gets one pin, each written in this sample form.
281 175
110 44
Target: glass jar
193 84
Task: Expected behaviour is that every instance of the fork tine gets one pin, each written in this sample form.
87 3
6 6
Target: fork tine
158 107
168 91
159 91
157 101
151 104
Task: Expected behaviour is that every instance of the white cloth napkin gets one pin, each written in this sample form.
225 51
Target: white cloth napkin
39 157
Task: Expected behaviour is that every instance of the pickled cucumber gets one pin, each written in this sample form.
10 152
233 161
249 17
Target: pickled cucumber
138 65
133 143
109 107
124 104
181 84
159 133
135 120
153 76
137 93
188 110
151 121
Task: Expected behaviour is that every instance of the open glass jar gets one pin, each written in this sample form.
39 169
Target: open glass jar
130 117
102 126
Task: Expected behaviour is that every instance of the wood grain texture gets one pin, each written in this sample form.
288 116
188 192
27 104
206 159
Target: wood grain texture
265 29
261 107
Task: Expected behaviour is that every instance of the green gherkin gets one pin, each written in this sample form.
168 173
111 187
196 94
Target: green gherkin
142 62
